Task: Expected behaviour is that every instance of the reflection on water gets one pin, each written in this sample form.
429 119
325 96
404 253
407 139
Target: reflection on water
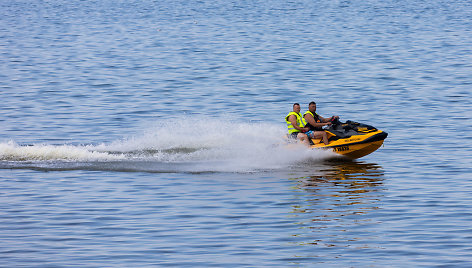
336 204
356 176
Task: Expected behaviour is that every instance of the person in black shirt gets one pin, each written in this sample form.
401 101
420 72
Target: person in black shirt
316 122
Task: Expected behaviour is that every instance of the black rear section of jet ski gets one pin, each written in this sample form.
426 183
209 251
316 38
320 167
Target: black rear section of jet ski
348 129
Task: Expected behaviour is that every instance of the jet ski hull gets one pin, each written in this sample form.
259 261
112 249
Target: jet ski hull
355 146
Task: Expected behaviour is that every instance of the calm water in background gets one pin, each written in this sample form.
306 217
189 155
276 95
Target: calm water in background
145 133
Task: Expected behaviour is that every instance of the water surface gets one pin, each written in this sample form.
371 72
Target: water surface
144 133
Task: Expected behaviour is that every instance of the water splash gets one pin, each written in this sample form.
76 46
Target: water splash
192 145
11 151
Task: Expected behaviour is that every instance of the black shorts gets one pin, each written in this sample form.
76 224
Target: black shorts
293 135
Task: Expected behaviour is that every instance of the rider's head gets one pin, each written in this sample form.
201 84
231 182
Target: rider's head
312 107
296 107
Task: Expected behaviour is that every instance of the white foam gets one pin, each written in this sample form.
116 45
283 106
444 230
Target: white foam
214 144
11 151
226 145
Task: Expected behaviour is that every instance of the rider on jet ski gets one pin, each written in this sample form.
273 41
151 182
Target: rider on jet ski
315 122
296 125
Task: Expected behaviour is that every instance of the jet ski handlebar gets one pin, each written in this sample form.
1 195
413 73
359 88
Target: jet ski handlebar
335 121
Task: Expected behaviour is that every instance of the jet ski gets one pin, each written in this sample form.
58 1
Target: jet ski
351 139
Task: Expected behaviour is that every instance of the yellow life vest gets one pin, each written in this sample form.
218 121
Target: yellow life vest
317 120
300 122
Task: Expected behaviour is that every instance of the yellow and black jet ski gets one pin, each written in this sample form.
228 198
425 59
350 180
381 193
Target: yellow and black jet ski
351 139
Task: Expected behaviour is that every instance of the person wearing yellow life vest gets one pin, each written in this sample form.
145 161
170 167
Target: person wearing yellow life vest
315 122
296 125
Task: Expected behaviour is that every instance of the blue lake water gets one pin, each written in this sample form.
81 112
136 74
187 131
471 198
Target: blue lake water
146 133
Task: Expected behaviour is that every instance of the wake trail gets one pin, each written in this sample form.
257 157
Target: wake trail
199 144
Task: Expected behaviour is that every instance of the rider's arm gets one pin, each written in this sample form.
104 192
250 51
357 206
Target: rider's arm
326 120
309 118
